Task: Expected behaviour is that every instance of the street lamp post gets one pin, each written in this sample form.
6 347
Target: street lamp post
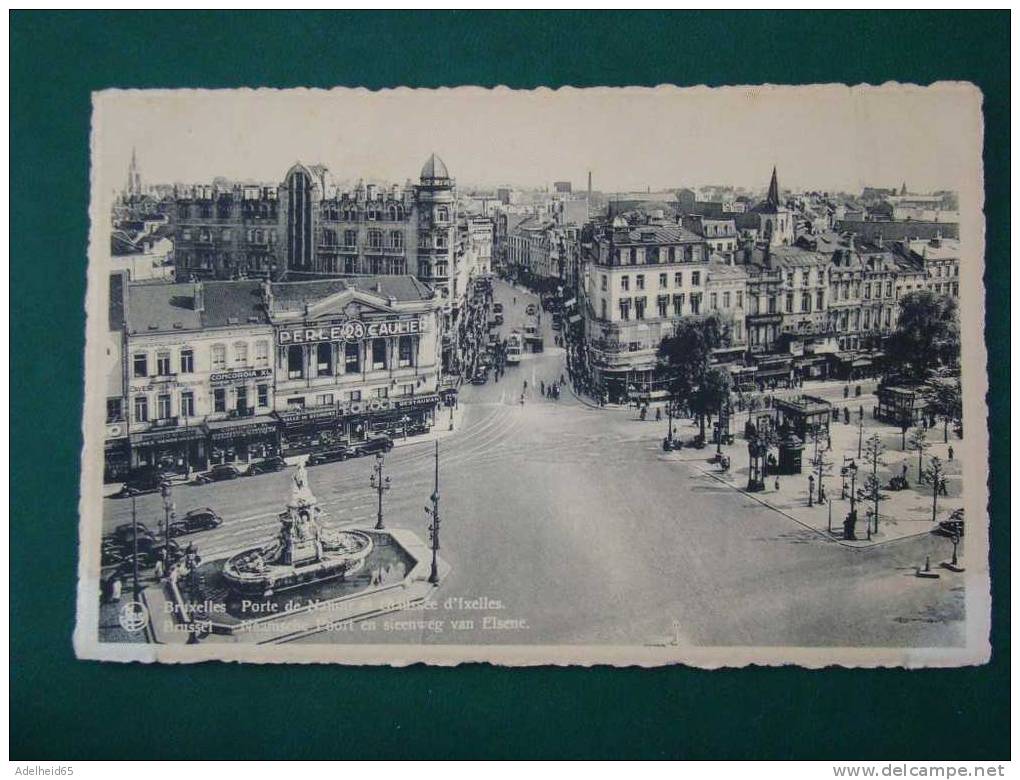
433 527
860 435
381 484
134 544
166 491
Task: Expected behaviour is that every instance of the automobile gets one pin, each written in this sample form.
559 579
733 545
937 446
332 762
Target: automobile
201 519
374 444
480 378
329 456
149 551
953 526
531 309
144 479
557 323
218 473
499 319
266 466
125 532
497 308
417 429
530 330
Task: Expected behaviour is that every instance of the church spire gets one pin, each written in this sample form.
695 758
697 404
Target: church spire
773 197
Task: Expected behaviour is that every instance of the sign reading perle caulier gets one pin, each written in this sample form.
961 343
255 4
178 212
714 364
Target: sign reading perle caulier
352 330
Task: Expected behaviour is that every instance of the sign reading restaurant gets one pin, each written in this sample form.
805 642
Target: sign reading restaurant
352 330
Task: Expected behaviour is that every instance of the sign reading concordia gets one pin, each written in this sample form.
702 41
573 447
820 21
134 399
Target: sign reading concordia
241 374
352 330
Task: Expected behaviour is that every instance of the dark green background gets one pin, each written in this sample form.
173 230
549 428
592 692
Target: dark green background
62 708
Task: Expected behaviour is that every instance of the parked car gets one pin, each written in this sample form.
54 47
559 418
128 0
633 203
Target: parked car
499 319
497 308
202 519
480 378
373 445
953 526
125 532
267 466
531 309
218 473
145 479
329 456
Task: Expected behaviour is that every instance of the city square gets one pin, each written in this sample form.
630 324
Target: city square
671 554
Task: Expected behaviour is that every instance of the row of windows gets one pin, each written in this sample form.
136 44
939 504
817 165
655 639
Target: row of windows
164 364
328 362
662 305
351 396
639 281
652 255
252 235
341 213
163 408
394 239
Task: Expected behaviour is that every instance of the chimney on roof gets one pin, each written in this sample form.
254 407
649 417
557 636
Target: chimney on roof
199 297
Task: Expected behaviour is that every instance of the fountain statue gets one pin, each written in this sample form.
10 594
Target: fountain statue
303 552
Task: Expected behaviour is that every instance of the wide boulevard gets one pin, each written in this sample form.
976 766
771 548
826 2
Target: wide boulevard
570 524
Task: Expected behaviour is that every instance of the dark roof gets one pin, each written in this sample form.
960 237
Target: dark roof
156 308
656 234
232 303
294 295
159 307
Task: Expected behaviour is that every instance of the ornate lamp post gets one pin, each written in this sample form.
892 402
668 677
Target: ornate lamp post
166 491
381 484
433 527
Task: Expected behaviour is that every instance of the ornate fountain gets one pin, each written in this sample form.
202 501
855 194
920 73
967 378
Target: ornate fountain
302 553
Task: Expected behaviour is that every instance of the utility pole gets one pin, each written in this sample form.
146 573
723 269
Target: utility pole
433 527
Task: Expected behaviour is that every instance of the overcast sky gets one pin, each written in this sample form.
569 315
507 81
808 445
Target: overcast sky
819 137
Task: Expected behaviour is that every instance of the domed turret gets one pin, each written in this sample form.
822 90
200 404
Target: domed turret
434 168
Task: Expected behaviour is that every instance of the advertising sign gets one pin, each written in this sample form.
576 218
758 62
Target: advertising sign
352 330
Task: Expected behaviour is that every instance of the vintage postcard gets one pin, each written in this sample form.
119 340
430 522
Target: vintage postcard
582 376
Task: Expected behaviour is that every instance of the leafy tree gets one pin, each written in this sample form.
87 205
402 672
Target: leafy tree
712 393
927 334
687 355
946 400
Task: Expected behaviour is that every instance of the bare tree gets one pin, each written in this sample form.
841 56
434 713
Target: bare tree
919 442
873 450
935 474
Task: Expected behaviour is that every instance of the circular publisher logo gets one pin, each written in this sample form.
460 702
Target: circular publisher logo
134 616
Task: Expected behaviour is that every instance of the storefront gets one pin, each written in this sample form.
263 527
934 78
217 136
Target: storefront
407 417
179 450
116 459
311 429
243 440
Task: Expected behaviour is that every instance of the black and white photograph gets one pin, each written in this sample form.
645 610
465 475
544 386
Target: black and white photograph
627 376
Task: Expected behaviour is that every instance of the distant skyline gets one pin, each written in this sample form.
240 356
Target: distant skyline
829 138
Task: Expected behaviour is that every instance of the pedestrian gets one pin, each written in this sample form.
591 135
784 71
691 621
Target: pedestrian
543 387
942 487
115 589
950 452
158 570
777 483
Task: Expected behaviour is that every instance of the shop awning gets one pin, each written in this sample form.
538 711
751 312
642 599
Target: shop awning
168 435
260 425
